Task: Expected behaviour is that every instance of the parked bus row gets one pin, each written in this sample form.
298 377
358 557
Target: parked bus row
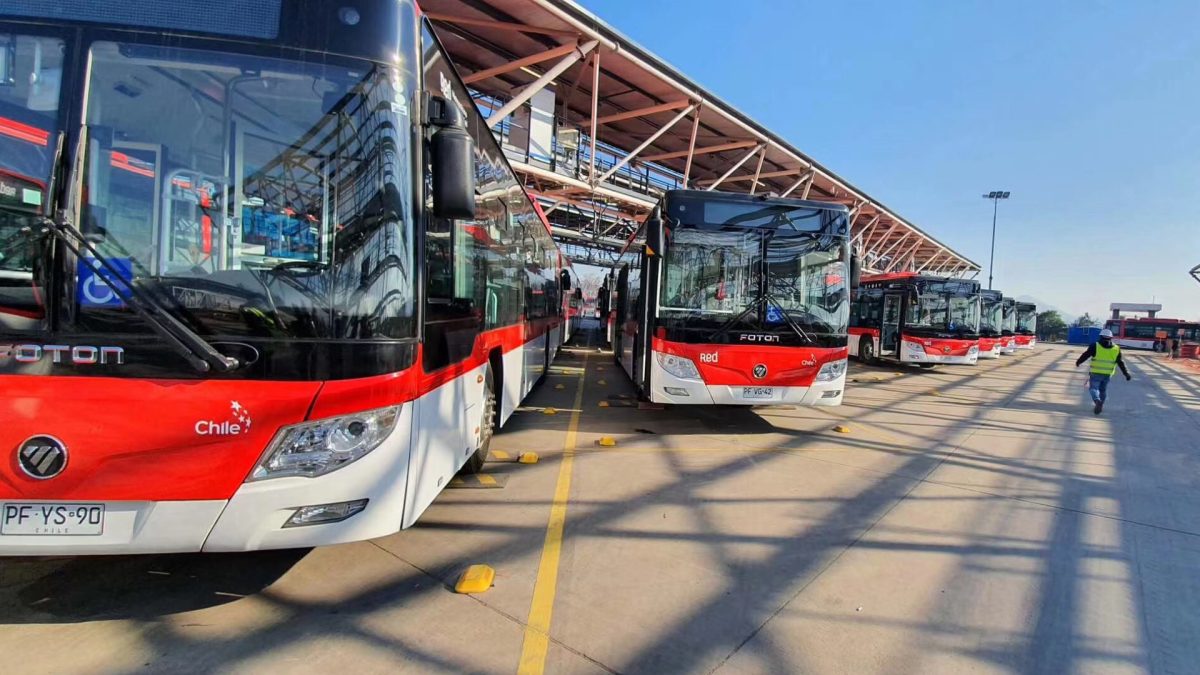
928 320
735 299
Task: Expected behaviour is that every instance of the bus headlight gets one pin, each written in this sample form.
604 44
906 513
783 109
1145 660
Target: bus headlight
311 449
678 366
831 371
973 350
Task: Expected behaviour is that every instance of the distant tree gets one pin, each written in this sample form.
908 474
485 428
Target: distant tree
1050 326
1085 321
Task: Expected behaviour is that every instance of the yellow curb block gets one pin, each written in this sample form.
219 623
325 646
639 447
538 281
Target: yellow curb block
475 579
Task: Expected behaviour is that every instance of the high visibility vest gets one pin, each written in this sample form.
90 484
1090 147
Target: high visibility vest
1105 360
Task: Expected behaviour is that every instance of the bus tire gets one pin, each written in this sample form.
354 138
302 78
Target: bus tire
866 350
487 424
927 366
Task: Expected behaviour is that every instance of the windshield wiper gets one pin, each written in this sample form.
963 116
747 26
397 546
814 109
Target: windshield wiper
194 349
788 318
762 301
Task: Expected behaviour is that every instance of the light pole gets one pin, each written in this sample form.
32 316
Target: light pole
995 196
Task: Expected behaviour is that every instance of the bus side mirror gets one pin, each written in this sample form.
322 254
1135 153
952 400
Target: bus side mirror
855 270
654 237
452 159
564 280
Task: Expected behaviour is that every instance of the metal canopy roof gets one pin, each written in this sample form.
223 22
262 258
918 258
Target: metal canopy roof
628 125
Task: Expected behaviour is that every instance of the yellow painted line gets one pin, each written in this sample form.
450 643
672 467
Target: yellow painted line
486 479
537 627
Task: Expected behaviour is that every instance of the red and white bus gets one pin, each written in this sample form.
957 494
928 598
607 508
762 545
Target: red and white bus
291 285
735 299
912 318
1025 331
991 323
1008 331
1153 333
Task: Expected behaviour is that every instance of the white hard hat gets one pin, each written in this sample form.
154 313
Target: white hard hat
1106 333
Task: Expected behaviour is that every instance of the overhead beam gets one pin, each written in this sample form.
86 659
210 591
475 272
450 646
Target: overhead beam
737 145
653 137
642 112
896 263
687 167
745 158
499 25
765 175
519 63
539 84
874 241
865 228
808 185
595 106
806 179
761 156
930 259
899 242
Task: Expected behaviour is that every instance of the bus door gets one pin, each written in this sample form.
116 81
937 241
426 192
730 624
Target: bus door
889 335
618 341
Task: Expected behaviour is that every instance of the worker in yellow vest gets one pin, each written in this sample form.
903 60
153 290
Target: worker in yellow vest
1105 357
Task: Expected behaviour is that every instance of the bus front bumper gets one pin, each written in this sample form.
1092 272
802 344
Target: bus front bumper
993 353
258 515
667 388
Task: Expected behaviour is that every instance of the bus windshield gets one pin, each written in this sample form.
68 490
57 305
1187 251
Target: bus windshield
251 196
723 275
991 320
1026 319
1010 317
948 306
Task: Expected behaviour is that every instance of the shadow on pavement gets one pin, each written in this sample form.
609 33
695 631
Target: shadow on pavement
67 590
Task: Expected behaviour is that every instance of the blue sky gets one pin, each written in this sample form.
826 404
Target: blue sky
1088 112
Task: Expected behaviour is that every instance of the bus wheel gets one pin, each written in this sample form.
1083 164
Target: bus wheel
487 425
866 351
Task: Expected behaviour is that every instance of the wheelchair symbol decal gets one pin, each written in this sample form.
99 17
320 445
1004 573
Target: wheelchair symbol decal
95 282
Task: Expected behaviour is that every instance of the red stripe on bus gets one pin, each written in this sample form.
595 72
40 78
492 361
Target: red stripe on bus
183 445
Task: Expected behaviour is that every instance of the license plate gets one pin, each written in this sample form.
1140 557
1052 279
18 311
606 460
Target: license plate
52 519
758 392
